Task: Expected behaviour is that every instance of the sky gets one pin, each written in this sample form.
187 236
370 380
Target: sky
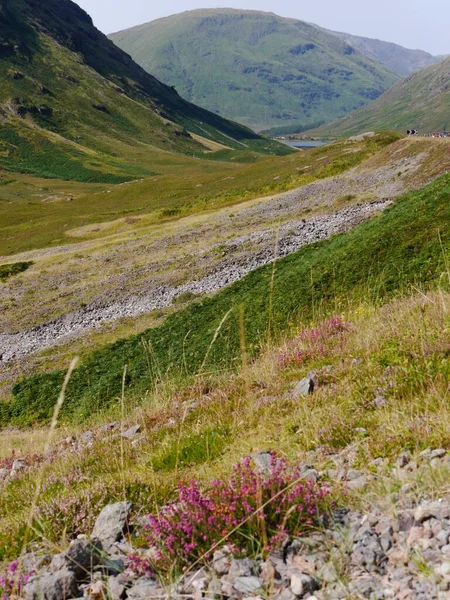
420 24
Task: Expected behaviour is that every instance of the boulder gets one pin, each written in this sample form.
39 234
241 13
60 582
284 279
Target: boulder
111 524
61 585
82 556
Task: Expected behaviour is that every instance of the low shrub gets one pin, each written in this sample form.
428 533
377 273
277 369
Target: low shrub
12 581
315 343
254 510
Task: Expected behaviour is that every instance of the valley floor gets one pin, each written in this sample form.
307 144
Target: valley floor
127 281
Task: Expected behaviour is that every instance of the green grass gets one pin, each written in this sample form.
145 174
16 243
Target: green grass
407 245
9 270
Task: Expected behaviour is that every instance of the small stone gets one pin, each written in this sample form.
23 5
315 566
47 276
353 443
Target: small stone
247 585
51 586
402 460
311 475
406 488
416 534
3 474
328 573
144 589
438 453
130 433
362 431
222 562
359 483
354 474
111 524
264 463
242 567
81 558
423 513
443 569
286 594
97 590
195 581
87 438
303 388
117 587
302 584
19 465
405 520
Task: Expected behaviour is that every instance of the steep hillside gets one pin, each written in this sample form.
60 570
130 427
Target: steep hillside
72 104
421 102
396 58
257 68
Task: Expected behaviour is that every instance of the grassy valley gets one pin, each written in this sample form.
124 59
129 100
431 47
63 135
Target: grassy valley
75 107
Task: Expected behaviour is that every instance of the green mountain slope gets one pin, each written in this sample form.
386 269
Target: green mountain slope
420 102
72 105
396 58
257 68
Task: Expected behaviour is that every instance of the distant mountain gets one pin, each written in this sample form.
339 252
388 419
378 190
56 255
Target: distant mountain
420 102
396 58
257 68
72 104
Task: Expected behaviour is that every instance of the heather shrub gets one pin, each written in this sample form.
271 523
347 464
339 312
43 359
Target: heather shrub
12 581
252 510
317 343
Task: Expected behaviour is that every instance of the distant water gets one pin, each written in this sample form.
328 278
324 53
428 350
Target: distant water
304 144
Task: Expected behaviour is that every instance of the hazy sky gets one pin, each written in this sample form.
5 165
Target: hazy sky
421 24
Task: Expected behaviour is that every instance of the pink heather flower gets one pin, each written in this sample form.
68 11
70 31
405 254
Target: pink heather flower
199 519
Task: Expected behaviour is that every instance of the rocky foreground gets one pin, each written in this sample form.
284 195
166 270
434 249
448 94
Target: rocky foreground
398 552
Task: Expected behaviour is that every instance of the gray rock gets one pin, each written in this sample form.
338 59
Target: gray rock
58 563
303 387
144 589
286 594
263 462
247 585
34 562
221 562
52 586
311 475
130 433
19 465
117 587
111 524
354 474
4 474
86 438
82 556
368 587
301 584
328 574
197 581
428 511
242 567
359 483
438 453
